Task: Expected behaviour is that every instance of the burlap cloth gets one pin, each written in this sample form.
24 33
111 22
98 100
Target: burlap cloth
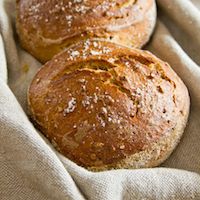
31 169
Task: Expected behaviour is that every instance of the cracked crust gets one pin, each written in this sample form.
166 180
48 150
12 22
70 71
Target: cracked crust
47 27
106 106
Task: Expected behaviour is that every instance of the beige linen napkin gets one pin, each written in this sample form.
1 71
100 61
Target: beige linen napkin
31 169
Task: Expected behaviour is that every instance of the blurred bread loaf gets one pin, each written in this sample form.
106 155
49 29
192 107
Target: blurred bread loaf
46 27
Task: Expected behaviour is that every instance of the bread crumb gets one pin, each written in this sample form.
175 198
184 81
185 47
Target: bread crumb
25 68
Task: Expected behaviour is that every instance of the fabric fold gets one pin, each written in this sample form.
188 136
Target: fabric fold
3 68
186 15
27 163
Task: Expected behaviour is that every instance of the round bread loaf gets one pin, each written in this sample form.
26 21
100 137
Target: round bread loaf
46 27
107 106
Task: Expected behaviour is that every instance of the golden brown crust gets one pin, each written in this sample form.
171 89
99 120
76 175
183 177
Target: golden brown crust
47 27
107 106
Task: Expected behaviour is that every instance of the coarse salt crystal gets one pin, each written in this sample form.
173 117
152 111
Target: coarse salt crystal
71 106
